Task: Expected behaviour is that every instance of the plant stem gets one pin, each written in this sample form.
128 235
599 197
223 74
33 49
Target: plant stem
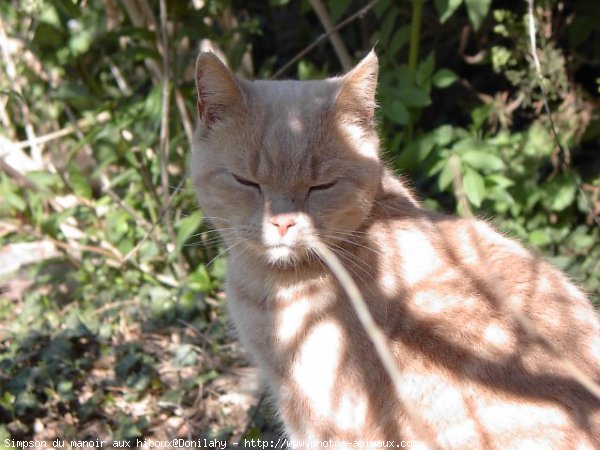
415 34
413 53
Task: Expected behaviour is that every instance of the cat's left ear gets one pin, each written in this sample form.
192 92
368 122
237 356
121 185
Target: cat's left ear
357 93
218 89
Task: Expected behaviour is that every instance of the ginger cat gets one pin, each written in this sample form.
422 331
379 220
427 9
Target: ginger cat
277 163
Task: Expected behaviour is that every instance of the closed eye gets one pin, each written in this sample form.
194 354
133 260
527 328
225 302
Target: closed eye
322 187
245 182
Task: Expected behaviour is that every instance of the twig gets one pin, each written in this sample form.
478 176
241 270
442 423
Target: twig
136 17
119 79
4 118
458 187
565 152
11 71
166 97
83 123
163 211
334 36
185 116
361 12
164 131
589 205
374 333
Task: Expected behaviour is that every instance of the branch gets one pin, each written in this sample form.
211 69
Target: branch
361 12
334 36
374 333
11 71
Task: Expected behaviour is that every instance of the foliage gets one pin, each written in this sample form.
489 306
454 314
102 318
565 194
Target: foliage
131 293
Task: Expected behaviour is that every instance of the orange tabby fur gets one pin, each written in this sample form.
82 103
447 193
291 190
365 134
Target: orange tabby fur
278 162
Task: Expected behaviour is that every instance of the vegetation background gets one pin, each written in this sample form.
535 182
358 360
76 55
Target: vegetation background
111 315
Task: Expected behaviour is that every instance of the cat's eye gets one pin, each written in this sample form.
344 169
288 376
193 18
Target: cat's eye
322 187
245 181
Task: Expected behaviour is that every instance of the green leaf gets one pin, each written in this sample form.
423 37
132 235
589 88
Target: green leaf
44 180
186 226
69 7
539 238
397 112
79 182
425 70
559 193
337 8
76 94
474 186
415 153
10 196
413 97
399 40
477 10
207 376
500 180
445 177
388 24
581 240
199 280
404 76
185 355
482 160
446 8
12 95
443 135
444 78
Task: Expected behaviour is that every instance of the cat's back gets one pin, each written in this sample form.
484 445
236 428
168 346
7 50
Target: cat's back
451 290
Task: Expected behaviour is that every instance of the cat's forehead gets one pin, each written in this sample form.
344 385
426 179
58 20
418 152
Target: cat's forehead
294 96
290 123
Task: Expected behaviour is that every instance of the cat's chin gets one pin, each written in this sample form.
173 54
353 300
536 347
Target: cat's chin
282 255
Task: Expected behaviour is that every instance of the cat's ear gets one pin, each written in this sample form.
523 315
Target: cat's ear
357 93
218 89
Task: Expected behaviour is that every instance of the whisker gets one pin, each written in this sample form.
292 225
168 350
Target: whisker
210 242
226 250
346 239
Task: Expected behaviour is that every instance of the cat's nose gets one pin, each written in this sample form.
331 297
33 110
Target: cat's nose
283 223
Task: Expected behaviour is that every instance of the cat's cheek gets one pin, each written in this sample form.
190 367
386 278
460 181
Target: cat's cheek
221 200
341 212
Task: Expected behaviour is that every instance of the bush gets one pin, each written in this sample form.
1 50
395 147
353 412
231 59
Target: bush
120 322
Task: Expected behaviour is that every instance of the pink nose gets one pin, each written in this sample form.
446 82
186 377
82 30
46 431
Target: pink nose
283 223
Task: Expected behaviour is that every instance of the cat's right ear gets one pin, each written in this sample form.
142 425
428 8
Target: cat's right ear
357 93
218 89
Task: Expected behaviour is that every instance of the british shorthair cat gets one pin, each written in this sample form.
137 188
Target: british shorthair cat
277 164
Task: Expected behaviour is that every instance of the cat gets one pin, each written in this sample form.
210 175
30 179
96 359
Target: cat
276 164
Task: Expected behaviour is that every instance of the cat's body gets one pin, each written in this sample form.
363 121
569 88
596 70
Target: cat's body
279 163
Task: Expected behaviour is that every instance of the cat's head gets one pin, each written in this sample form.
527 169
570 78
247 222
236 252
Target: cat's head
276 163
